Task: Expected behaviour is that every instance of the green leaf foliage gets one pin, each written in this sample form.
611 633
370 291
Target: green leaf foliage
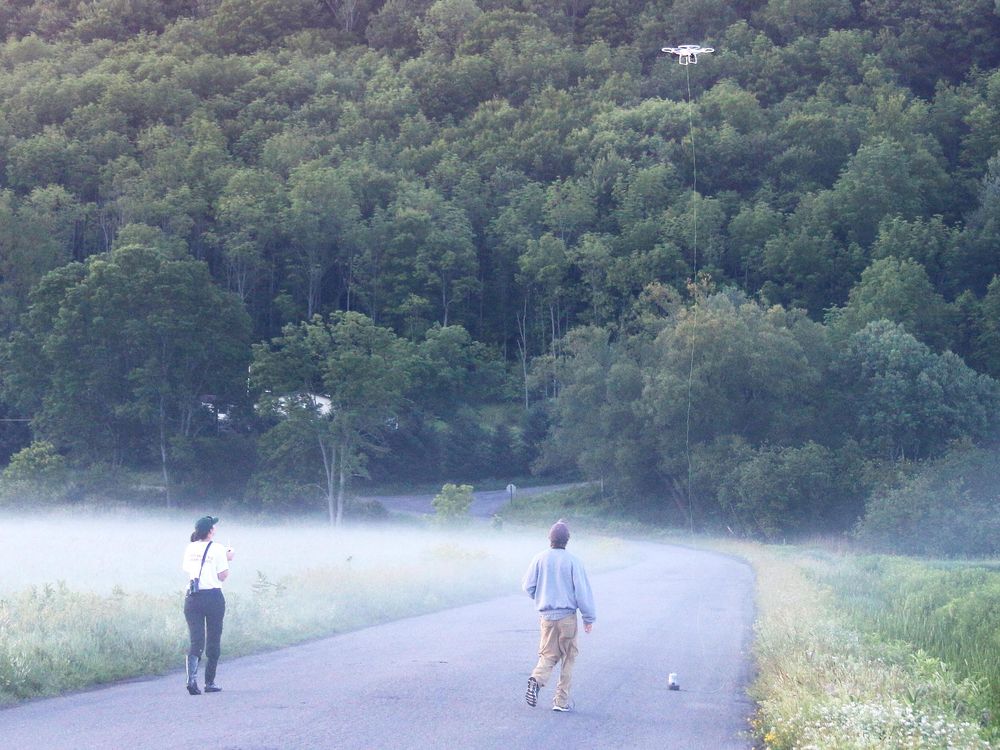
475 219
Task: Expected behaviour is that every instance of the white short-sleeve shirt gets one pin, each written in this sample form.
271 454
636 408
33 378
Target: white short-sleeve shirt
215 563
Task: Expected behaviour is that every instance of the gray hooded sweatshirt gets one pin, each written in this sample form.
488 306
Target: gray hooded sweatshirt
558 583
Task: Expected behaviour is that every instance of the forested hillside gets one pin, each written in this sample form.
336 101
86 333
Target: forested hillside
461 239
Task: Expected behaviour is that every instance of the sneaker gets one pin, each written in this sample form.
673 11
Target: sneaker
531 695
561 709
211 687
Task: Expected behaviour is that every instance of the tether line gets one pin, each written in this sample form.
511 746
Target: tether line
694 213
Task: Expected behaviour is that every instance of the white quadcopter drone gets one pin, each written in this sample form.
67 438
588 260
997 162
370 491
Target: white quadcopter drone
687 54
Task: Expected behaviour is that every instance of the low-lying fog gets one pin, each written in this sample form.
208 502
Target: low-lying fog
141 552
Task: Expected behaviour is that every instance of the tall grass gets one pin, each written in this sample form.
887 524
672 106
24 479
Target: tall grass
829 681
949 610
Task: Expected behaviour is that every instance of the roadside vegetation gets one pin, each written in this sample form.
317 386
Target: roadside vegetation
838 674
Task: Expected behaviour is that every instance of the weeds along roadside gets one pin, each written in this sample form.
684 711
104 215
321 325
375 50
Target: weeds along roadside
948 609
829 678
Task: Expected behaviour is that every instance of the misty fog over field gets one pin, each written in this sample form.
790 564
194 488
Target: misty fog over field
141 552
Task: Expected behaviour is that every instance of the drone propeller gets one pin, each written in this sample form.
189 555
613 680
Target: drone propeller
687 54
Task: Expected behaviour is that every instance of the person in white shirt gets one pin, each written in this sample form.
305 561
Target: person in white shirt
207 565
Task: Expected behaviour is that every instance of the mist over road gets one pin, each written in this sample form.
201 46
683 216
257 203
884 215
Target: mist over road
456 679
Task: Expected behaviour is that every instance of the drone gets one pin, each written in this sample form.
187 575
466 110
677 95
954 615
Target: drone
687 54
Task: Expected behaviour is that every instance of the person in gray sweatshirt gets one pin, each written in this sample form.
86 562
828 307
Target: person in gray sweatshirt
558 583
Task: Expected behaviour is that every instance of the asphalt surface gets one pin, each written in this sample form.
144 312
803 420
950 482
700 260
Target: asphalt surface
484 503
456 679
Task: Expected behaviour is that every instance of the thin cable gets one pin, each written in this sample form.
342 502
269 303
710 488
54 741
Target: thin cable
694 211
694 169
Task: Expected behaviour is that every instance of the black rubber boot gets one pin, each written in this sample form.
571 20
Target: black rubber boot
210 666
192 675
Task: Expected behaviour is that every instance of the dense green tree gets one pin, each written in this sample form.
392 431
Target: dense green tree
898 291
596 421
544 266
723 368
451 369
46 158
749 232
36 475
947 37
637 411
986 325
812 148
806 269
929 242
777 491
909 402
435 236
442 29
978 259
322 221
37 235
250 236
247 25
488 176
333 388
115 355
394 27
882 179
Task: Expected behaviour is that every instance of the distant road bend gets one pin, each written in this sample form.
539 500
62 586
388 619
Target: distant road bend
456 679
485 504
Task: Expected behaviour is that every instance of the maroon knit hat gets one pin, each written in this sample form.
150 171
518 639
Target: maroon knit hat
559 534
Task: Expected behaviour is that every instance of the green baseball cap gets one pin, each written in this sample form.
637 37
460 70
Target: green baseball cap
204 524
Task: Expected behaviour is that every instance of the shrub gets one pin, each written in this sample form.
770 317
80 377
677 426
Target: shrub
773 491
949 507
36 475
453 502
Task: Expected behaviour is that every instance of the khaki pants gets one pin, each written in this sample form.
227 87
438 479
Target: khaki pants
558 643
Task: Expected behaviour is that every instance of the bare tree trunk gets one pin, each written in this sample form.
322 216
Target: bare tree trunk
329 471
341 487
683 501
345 11
163 453
315 278
445 302
522 346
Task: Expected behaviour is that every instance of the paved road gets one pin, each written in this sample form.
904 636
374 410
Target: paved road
484 503
456 679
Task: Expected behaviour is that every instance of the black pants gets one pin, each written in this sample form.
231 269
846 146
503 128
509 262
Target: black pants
204 612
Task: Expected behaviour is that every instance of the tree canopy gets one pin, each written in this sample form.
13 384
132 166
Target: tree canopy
582 256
